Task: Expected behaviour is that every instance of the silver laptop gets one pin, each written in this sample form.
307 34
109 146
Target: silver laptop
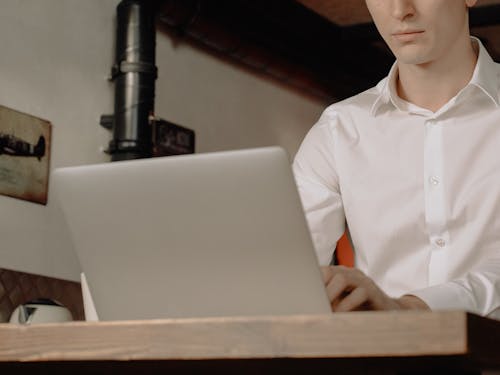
216 234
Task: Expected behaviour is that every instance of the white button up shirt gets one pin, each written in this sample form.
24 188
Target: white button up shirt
419 190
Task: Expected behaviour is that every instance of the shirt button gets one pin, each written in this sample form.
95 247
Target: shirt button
434 180
440 242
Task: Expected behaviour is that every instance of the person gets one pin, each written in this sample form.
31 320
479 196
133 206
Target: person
410 168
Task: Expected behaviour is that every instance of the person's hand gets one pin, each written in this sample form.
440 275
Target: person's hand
349 289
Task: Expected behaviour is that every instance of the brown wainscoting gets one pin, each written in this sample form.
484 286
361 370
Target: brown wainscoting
20 287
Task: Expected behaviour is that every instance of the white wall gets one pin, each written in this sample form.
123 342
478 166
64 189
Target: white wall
228 106
55 56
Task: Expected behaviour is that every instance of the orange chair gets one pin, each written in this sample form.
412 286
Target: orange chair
344 252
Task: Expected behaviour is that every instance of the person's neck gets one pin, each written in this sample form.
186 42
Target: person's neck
432 85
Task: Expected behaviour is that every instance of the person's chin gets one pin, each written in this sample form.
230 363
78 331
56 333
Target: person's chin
412 57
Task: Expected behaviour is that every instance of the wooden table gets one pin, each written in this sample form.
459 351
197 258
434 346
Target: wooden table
362 342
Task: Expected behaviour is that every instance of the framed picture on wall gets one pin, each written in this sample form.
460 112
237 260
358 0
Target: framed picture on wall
24 155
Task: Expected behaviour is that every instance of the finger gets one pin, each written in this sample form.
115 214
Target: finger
343 281
326 273
353 300
337 286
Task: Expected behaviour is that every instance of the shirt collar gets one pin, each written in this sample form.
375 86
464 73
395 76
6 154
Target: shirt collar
385 89
485 74
484 77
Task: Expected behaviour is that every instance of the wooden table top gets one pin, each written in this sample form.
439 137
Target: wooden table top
457 336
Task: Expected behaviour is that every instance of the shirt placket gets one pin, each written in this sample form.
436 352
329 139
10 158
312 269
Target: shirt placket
435 212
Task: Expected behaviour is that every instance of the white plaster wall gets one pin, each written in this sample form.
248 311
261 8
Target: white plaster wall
55 56
228 107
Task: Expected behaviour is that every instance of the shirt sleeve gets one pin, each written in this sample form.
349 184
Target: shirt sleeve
318 184
477 292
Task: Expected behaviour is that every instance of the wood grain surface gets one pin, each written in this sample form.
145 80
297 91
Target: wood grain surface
363 334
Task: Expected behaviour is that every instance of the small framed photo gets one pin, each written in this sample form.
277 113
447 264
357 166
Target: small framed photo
24 155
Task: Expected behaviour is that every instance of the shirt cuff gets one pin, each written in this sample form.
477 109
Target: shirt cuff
448 296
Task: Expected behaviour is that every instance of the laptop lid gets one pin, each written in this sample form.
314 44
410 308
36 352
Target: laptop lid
216 234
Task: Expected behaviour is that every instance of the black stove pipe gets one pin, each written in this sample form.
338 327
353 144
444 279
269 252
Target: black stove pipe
134 74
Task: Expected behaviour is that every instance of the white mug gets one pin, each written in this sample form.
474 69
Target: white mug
40 311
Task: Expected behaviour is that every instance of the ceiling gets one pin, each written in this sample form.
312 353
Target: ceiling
326 48
340 12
